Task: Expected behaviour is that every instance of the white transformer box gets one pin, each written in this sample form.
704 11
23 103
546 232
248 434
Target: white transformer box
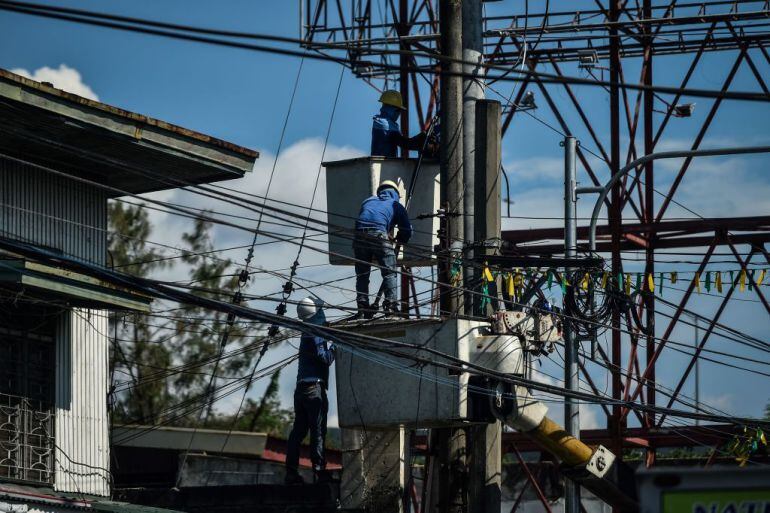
349 182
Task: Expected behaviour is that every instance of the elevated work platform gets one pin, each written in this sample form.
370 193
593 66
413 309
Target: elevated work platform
377 390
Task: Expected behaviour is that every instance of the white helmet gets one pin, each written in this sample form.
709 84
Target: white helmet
309 307
387 184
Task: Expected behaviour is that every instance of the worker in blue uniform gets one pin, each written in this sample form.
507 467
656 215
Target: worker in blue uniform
311 405
373 241
386 133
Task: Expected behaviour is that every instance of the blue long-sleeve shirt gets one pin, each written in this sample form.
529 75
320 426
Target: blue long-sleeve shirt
383 212
315 357
386 134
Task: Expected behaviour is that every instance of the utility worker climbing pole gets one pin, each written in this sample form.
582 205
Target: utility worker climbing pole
377 218
386 133
311 405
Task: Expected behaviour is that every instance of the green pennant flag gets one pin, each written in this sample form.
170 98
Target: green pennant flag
564 285
660 287
638 281
485 295
732 277
550 278
620 281
708 281
751 281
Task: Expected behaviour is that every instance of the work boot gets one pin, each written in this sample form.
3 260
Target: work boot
364 310
389 308
321 475
293 478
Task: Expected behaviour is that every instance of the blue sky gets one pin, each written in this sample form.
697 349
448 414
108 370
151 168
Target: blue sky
242 97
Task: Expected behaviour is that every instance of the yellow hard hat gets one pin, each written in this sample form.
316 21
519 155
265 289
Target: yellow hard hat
392 97
387 183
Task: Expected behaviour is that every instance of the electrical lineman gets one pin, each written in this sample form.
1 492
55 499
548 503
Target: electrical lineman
386 133
311 405
378 216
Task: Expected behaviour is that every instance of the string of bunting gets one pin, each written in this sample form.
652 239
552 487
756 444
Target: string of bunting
514 280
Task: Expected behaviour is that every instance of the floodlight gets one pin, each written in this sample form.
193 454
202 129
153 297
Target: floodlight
684 110
528 103
587 58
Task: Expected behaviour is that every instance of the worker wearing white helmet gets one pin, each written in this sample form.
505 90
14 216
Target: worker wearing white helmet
311 405
378 217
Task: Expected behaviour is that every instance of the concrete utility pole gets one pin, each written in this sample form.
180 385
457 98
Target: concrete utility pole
451 154
451 446
484 453
571 344
481 168
473 90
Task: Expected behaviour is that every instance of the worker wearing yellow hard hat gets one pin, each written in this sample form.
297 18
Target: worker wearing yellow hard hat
386 132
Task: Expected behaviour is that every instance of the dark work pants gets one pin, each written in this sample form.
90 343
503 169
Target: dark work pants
375 246
310 409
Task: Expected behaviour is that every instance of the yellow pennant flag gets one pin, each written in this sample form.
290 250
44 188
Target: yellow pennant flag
696 280
761 277
650 283
584 282
604 280
673 278
509 283
719 282
628 284
517 278
743 280
488 274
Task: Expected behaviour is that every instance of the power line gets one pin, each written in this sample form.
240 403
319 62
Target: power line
178 32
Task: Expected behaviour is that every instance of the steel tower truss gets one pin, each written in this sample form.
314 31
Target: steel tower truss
612 38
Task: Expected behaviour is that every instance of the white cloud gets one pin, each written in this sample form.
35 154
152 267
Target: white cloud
64 78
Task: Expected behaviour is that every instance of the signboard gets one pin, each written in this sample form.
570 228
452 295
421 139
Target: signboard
717 501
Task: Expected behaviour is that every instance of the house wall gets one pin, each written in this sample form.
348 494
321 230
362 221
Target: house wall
53 212
82 384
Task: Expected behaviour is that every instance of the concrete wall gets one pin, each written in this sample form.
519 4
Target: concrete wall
82 383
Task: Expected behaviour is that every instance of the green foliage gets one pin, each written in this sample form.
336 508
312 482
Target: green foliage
264 416
148 351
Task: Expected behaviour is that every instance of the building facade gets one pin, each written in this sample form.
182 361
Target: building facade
62 157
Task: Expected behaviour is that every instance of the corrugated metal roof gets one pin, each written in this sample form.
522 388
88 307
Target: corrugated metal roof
44 126
33 495
132 116
179 438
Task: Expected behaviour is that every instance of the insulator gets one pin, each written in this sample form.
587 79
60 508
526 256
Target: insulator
280 309
288 287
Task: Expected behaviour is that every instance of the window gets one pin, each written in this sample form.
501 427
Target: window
27 377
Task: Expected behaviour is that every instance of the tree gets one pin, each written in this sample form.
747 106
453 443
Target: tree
203 334
135 352
149 350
